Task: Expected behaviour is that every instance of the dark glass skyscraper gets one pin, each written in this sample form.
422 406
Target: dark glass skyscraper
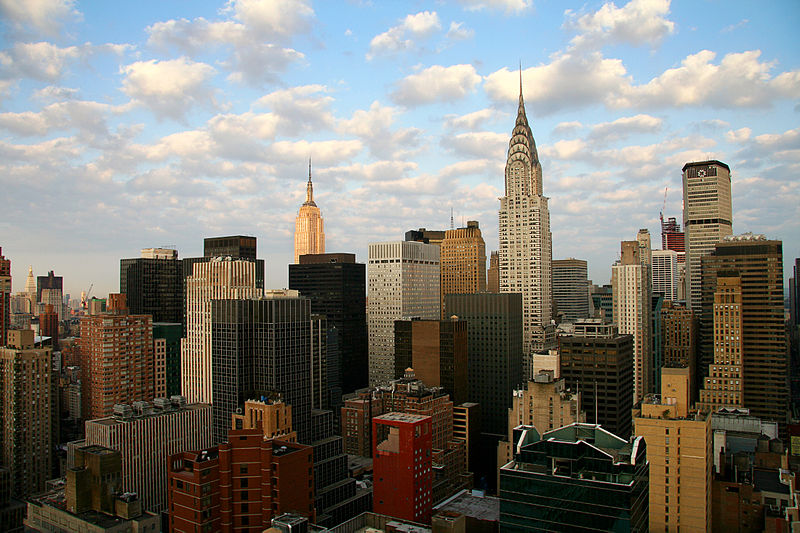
336 286
154 286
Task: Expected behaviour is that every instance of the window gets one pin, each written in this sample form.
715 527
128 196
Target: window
243 469
243 483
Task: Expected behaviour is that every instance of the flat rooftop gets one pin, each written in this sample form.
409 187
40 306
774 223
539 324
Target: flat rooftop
401 417
479 507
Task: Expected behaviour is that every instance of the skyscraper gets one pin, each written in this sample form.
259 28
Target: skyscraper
463 261
633 312
571 288
493 274
117 364
765 361
679 340
153 284
707 218
665 274
336 285
217 278
403 281
5 297
309 233
525 239
672 238
49 290
25 413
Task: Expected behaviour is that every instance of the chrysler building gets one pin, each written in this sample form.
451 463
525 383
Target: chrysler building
309 234
525 239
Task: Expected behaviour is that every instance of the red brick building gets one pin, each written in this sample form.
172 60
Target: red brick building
116 360
240 485
48 325
402 466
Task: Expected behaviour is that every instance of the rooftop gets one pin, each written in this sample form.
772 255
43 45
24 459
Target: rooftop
472 505
401 417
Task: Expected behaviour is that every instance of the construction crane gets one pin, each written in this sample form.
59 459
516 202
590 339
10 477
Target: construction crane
663 206
85 297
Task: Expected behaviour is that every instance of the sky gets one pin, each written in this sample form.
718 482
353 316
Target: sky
126 125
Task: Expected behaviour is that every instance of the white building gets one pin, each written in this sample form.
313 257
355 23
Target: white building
146 435
218 278
707 216
403 282
630 281
525 239
665 274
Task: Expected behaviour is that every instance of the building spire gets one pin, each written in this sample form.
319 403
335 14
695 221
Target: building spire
309 187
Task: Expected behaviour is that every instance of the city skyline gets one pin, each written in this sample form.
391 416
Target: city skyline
125 128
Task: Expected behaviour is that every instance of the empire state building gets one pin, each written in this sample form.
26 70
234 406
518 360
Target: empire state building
525 238
309 234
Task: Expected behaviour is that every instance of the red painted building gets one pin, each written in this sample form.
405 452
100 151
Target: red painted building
240 485
402 461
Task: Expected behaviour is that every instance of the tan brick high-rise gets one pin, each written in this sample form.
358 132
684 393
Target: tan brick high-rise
309 233
463 261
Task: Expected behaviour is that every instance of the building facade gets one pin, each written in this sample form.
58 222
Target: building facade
524 233
336 285
598 361
153 284
493 274
402 467
571 289
630 281
403 281
146 435
665 274
437 351
5 298
26 413
117 361
463 261
216 278
707 216
679 340
309 232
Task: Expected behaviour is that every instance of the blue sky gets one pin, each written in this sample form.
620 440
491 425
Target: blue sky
126 125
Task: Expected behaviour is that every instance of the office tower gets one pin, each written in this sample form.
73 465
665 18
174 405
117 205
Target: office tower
707 217
463 261
427 236
167 354
309 232
494 326
403 281
30 292
525 239
794 295
117 363
436 350
49 290
679 450
217 278
467 428
26 412
665 274
576 478
12 511
273 417
794 333
545 404
672 237
91 499
234 246
657 350
679 340
493 274
603 302
632 312
5 297
598 361
724 384
764 354
263 347
402 466
247 481
336 286
146 435
48 325
153 284
570 289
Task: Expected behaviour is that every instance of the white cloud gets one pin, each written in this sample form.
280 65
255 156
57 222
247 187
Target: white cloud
459 32
374 127
300 109
732 27
738 136
436 84
43 16
477 144
509 6
563 128
639 22
405 35
53 93
41 61
273 19
323 152
470 121
171 87
621 128
377 171
88 117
